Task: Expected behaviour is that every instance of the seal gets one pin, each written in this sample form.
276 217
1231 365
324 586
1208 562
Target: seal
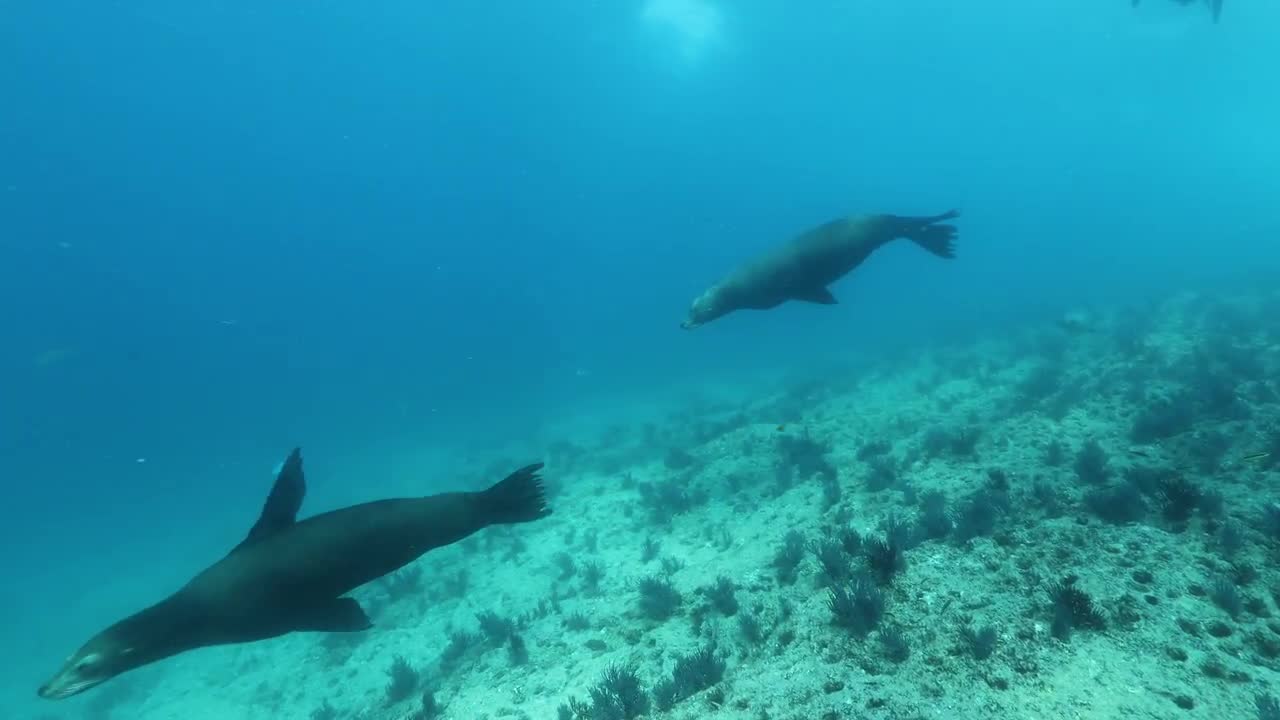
289 576
803 268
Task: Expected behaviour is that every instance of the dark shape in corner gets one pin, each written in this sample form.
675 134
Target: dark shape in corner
804 267
289 576
1215 6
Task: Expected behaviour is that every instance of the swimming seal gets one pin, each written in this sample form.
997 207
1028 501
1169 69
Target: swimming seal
803 268
290 576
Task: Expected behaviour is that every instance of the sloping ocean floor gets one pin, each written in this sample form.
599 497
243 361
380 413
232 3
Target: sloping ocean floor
1074 522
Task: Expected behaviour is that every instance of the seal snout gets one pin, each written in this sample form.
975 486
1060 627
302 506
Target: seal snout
59 689
69 681
48 691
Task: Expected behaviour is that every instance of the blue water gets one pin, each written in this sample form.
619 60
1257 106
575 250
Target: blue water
229 228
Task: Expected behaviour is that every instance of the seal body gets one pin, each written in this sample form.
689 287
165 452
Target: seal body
290 576
804 267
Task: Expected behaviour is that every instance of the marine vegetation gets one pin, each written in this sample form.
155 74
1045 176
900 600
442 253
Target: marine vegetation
980 642
836 565
403 680
659 598
894 643
856 606
692 674
722 596
429 708
787 560
1073 609
617 696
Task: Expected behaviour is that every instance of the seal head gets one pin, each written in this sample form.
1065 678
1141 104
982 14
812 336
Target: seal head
706 307
101 659
166 628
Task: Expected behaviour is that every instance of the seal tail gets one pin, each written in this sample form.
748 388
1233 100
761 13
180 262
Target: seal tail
519 498
928 233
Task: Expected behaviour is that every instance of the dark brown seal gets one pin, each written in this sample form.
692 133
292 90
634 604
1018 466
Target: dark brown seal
803 268
290 576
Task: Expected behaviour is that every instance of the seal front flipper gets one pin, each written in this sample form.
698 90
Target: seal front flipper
281 508
337 615
821 296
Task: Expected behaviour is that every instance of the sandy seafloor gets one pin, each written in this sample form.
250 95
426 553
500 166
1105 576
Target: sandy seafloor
1198 374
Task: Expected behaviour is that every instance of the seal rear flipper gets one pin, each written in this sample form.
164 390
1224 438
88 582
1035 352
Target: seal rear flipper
928 234
337 615
1215 6
821 296
281 508
518 498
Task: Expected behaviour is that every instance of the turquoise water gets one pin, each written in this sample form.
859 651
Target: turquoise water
432 242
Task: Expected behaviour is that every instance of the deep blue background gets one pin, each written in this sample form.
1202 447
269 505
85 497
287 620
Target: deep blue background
369 227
